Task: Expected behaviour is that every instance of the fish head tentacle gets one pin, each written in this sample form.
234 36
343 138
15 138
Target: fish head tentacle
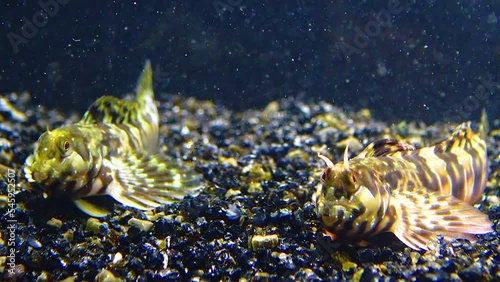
347 203
340 179
63 160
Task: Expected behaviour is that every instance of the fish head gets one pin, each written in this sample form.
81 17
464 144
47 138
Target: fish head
342 201
61 160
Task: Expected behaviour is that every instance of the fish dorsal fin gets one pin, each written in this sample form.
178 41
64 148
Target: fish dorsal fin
112 110
147 181
484 127
141 115
421 215
463 138
144 89
385 147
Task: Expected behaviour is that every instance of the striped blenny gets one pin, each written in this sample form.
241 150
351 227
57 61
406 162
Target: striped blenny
112 150
414 193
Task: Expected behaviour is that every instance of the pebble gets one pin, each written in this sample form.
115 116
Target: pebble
54 222
364 114
257 172
263 241
232 192
117 258
143 225
34 243
44 276
95 226
6 106
106 276
4 200
354 144
3 260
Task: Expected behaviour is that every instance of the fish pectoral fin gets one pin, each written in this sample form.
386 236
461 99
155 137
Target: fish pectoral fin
90 208
145 181
385 147
421 215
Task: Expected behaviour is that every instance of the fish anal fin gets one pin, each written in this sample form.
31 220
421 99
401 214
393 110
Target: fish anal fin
146 181
385 147
421 215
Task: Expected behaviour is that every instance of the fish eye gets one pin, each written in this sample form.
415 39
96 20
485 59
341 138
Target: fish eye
66 145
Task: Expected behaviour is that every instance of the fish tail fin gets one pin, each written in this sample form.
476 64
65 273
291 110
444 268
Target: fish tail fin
145 84
422 215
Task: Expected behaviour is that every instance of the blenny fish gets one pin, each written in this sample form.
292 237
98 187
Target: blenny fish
414 193
112 150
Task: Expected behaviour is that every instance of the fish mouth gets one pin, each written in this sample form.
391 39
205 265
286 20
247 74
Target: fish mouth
336 210
333 215
344 201
330 209
40 176
45 174
339 210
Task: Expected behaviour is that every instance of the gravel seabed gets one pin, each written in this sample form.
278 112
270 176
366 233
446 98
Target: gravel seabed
254 219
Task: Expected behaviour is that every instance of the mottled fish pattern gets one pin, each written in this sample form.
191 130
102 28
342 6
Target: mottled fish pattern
414 193
112 150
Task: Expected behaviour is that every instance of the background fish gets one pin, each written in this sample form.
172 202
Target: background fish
112 150
414 193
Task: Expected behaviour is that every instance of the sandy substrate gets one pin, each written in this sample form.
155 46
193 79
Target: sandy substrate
254 219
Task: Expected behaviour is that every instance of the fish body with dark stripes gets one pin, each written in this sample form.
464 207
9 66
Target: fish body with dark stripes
112 150
414 193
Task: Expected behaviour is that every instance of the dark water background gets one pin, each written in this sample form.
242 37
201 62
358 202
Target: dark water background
429 61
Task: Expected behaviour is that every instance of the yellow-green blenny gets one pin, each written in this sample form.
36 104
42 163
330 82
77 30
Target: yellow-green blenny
414 193
112 150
